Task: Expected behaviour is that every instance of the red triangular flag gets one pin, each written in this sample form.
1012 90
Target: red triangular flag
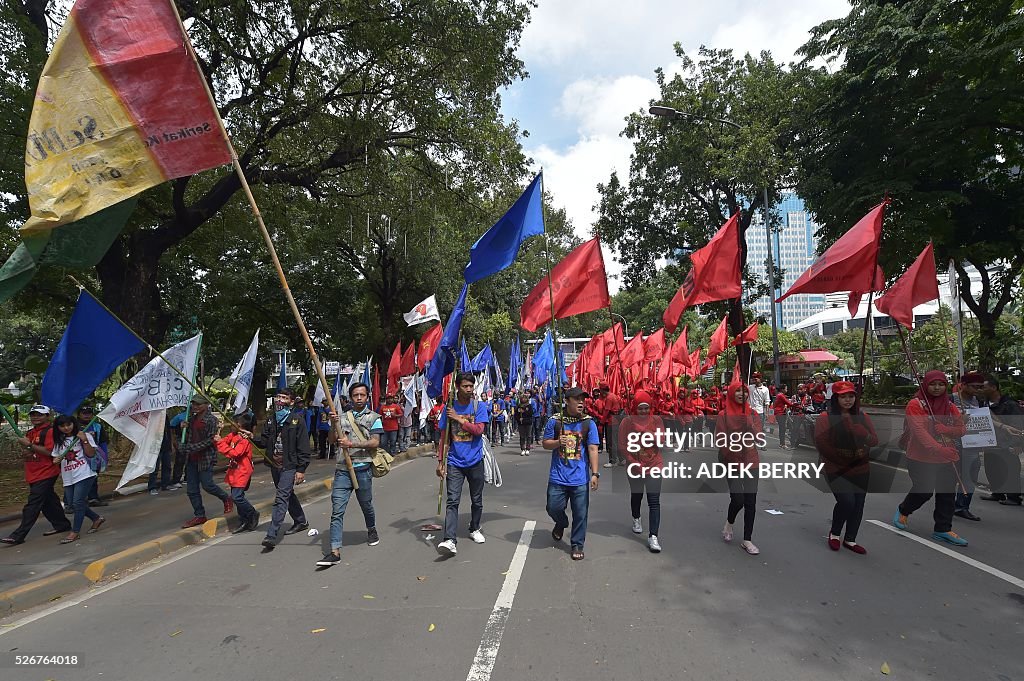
594 353
394 368
714 273
613 339
694 364
720 338
633 353
917 285
428 346
665 368
680 353
749 335
849 263
408 367
579 285
654 346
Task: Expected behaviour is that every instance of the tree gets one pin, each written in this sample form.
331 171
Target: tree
687 178
927 108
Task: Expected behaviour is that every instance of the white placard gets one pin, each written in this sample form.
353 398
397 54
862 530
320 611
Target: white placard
980 431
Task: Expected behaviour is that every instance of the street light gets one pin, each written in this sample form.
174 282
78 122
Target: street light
669 112
625 326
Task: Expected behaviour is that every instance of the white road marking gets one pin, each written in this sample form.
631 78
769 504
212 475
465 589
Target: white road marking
490 642
1006 577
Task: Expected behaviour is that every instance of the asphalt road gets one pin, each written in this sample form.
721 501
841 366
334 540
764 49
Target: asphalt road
701 609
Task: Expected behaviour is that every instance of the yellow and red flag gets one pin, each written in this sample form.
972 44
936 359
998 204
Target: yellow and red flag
120 107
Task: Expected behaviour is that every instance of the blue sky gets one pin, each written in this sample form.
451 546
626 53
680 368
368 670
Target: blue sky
592 62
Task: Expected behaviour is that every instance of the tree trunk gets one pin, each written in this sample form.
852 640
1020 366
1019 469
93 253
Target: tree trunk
987 343
130 289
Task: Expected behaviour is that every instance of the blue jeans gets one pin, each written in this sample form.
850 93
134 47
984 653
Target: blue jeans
79 493
341 491
404 435
389 441
453 481
559 496
285 501
242 505
193 479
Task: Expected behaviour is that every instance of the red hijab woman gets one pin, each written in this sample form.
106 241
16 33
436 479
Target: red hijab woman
639 462
737 433
932 425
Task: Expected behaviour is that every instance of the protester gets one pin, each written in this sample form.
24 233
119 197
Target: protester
612 407
238 451
736 420
780 408
362 429
201 456
524 417
177 425
970 395
639 465
844 437
573 441
933 424
323 428
538 415
72 449
434 421
498 411
390 414
760 402
466 422
88 422
287 440
1002 463
41 474
404 430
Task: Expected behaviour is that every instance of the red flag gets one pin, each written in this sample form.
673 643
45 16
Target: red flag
708 363
749 335
665 368
376 389
714 273
917 285
848 265
694 364
579 285
633 353
680 353
428 346
394 369
654 346
594 362
719 339
408 367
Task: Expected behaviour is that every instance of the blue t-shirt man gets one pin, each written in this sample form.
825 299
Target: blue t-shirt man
467 449
538 410
571 467
499 410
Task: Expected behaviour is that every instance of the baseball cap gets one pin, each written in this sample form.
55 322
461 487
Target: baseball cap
576 392
39 409
843 388
199 399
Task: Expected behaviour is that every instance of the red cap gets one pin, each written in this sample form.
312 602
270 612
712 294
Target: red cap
843 388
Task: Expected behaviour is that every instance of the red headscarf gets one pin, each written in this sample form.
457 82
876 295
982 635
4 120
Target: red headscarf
937 406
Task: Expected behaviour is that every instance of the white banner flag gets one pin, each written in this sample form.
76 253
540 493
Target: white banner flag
241 377
137 409
426 404
424 312
409 393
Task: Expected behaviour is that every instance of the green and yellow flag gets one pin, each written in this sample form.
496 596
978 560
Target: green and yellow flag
120 107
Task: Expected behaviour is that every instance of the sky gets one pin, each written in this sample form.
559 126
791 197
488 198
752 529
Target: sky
592 62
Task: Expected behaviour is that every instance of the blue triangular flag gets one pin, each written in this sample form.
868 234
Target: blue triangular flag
93 345
443 362
544 359
499 246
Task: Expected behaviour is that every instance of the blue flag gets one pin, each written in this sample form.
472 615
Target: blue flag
544 360
443 362
282 378
464 360
561 367
513 367
366 373
93 345
499 246
337 382
484 359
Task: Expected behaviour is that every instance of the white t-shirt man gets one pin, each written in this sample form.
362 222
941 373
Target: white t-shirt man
760 399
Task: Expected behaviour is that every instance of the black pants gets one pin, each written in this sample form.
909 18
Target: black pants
1002 468
526 434
743 495
179 466
41 499
538 432
850 492
653 487
321 443
783 421
161 472
456 475
932 478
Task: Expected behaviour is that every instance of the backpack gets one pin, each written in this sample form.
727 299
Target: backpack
382 460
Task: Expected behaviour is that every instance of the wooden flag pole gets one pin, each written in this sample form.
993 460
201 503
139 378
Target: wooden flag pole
271 249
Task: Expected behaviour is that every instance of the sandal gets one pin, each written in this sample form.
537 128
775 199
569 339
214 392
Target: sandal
11 541
97 524
749 547
70 538
557 532
577 553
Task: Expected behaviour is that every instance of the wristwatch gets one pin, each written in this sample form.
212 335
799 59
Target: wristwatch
598 475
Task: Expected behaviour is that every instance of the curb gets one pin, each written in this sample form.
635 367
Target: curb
47 589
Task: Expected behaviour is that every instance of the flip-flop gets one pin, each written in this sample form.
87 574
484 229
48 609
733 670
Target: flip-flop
577 554
68 540
557 533
96 525
11 541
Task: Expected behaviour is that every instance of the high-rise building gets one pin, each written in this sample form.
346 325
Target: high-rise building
794 248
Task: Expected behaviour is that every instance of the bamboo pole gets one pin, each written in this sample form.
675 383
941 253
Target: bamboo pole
188 407
10 420
270 248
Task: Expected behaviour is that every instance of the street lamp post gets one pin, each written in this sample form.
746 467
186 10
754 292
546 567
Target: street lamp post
625 326
669 112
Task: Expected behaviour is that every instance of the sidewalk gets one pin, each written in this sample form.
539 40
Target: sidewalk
130 520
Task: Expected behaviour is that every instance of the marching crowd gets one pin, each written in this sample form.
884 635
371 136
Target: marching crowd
73 448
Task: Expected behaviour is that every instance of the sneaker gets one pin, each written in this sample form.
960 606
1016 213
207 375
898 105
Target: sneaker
153 492
527 452
609 465
330 558
477 536
522 452
900 521
653 545
195 522
297 527
950 537
175 486
372 538
229 506
447 548
637 527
